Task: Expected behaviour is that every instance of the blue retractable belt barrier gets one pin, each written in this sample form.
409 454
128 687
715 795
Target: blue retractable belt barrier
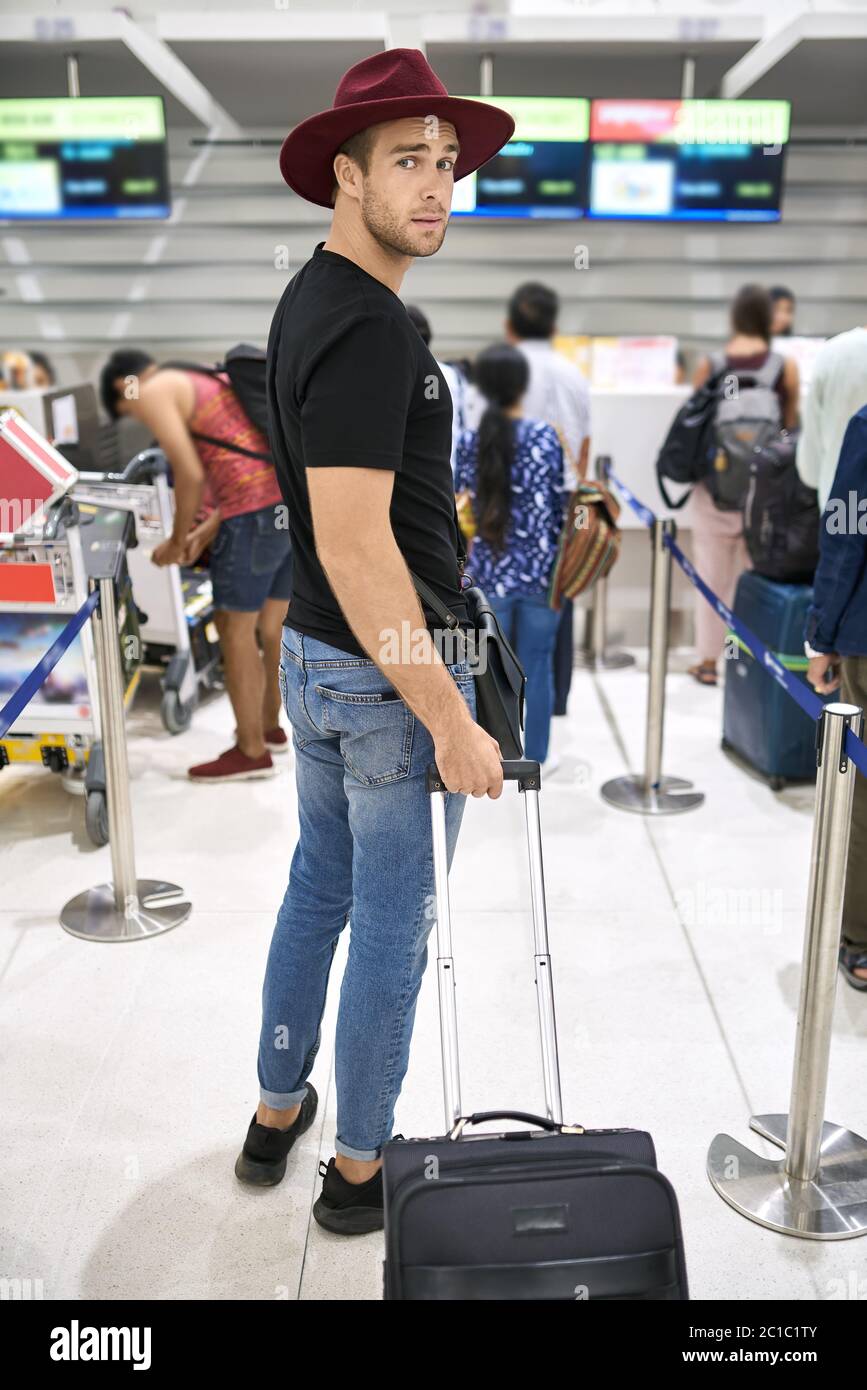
28 688
801 693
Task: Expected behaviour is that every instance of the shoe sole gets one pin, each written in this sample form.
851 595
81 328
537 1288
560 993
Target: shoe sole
257 1174
236 776
348 1221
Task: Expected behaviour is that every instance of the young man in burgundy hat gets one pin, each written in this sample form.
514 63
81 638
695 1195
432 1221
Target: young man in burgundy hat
361 436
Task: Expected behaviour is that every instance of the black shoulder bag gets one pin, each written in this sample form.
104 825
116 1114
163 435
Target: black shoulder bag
497 673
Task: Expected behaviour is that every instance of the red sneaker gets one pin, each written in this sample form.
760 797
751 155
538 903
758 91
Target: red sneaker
233 766
277 740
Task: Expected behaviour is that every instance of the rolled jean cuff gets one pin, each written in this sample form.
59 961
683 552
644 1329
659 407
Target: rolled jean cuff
363 1155
282 1100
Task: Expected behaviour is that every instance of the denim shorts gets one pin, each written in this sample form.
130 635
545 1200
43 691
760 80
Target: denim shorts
251 561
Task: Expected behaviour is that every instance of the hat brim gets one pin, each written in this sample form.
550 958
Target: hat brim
307 153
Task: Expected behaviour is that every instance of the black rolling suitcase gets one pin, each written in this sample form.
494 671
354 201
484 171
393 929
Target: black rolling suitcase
554 1212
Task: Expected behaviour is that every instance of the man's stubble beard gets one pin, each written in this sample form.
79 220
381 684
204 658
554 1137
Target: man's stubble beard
385 228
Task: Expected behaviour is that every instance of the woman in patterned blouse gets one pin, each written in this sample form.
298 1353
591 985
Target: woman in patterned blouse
512 469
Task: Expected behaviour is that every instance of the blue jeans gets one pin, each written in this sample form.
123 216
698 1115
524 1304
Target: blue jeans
364 854
531 627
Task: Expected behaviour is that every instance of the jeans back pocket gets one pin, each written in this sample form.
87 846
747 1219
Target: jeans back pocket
376 732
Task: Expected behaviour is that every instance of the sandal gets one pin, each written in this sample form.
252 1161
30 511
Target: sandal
704 673
854 958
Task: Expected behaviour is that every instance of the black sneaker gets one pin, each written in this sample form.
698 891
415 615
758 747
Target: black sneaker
262 1160
349 1208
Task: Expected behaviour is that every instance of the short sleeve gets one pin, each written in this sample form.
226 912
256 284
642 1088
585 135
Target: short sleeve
357 398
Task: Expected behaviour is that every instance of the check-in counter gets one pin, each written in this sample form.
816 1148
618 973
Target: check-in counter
629 426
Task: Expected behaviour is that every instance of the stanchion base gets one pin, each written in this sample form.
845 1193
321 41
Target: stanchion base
669 797
608 661
831 1207
94 916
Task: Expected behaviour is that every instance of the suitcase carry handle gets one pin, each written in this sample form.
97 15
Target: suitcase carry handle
524 771
540 1121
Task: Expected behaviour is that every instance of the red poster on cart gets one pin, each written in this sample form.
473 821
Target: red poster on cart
27 584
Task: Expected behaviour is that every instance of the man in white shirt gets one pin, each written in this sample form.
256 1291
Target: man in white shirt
838 390
559 395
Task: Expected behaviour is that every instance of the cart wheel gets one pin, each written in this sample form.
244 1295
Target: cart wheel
776 784
96 818
724 745
176 715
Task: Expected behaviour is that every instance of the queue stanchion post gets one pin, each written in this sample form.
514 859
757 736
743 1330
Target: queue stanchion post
594 654
127 909
652 794
818 1190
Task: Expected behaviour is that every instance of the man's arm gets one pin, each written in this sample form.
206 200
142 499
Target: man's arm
369 578
842 548
165 408
575 426
792 392
584 458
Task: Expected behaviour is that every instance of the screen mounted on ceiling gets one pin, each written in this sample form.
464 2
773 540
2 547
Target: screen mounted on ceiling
83 158
542 172
719 161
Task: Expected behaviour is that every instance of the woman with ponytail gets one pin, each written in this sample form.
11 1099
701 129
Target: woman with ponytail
512 469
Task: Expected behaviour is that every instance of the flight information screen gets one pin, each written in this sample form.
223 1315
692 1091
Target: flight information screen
542 172
716 161
74 158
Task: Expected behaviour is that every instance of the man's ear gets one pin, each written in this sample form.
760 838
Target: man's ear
347 175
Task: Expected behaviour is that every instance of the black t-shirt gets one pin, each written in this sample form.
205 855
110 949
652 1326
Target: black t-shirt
352 385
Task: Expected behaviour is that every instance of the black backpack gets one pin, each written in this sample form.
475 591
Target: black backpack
690 445
244 365
781 516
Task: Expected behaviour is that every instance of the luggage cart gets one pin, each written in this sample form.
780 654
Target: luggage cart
49 545
176 616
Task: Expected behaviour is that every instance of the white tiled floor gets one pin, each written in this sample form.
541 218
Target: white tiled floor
129 1072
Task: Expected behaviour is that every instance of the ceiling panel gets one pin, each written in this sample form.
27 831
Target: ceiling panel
104 70
272 84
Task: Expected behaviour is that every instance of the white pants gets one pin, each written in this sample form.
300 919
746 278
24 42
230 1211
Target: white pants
720 555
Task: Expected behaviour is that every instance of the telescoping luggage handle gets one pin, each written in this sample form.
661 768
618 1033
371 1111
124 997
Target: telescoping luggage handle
528 776
483 1116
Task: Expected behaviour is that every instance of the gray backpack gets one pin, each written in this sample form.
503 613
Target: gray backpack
748 418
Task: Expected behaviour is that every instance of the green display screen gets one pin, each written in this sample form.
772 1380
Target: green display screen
74 158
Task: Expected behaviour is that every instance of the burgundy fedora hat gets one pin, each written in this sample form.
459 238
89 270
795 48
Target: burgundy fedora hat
399 82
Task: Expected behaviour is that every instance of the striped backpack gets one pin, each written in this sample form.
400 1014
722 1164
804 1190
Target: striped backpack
589 544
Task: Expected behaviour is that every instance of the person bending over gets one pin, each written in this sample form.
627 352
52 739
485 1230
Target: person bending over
250 555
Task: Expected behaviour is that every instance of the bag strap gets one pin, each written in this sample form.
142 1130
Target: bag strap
769 373
230 447
218 369
435 604
673 506
462 549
